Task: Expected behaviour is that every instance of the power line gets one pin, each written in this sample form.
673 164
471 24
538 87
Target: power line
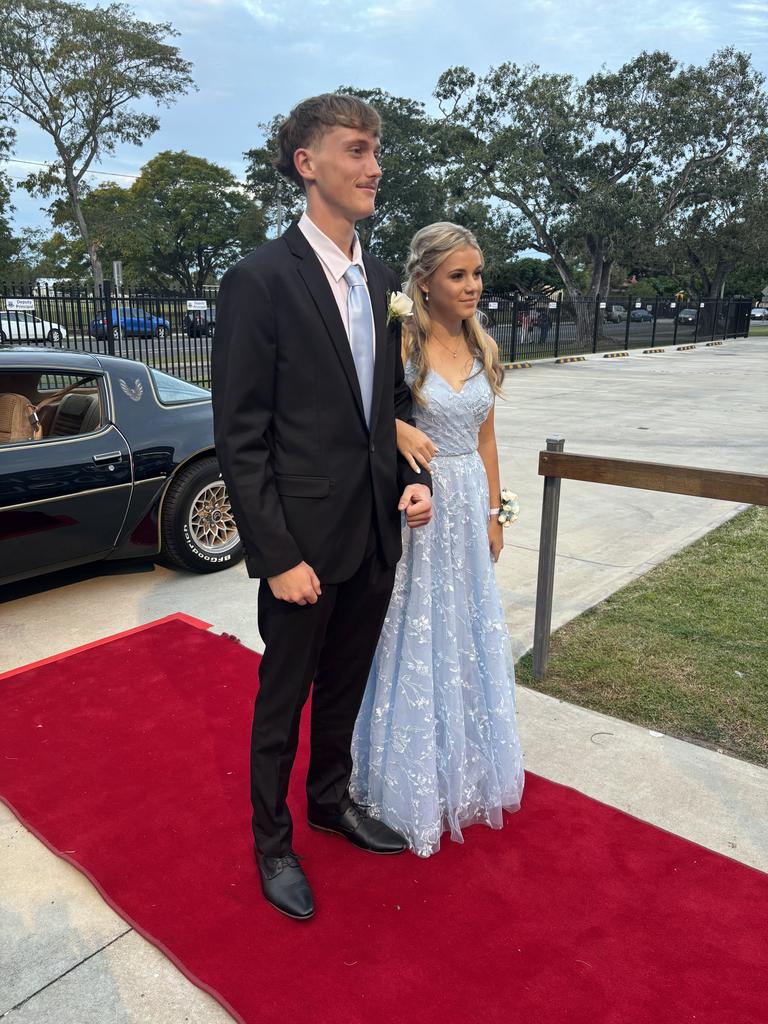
37 163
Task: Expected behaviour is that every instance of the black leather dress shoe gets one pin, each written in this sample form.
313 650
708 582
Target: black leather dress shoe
355 825
285 885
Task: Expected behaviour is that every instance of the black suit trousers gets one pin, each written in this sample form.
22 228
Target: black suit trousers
331 642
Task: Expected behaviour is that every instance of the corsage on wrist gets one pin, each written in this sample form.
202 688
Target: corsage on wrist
510 508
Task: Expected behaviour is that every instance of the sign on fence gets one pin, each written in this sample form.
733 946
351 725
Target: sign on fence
493 305
197 304
20 304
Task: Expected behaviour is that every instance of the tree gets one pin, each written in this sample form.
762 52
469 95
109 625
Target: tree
590 170
724 226
77 73
281 200
189 220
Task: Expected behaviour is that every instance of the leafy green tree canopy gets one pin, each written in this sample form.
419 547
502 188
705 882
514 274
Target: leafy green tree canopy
80 74
590 169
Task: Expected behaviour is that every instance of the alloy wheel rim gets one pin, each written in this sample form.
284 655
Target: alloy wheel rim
210 521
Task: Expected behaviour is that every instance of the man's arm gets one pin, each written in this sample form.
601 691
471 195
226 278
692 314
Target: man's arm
242 384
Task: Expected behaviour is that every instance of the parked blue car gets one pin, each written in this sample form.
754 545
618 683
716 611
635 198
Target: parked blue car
133 323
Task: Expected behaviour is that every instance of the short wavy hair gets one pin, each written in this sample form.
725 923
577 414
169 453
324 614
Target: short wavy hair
309 119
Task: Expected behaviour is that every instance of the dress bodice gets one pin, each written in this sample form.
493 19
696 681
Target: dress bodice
452 418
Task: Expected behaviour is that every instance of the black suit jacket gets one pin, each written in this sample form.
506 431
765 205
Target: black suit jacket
304 474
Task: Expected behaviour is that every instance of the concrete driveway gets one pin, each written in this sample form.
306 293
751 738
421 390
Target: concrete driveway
71 959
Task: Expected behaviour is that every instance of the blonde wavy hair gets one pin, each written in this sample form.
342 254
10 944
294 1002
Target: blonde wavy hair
429 248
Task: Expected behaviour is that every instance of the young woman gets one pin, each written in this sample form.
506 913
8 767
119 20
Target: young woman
435 744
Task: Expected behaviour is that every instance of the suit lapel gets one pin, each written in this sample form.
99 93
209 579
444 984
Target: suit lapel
378 301
312 273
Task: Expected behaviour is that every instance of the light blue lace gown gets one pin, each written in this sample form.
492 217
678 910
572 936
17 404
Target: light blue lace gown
435 747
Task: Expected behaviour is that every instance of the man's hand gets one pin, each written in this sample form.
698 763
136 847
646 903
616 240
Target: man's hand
298 585
416 502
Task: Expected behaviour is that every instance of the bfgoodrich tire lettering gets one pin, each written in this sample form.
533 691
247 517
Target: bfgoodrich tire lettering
198 530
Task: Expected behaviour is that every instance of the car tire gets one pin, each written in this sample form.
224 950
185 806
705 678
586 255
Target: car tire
198 531
162 333
54 337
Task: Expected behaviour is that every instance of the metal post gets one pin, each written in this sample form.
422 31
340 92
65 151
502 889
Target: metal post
547 550
655 318
629 314
107 299
557 323
514 327
596 323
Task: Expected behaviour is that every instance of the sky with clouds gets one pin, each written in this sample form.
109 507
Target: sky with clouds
255 58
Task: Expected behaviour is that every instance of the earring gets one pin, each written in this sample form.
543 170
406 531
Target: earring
426 297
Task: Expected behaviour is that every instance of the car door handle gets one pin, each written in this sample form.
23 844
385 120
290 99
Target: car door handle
108 457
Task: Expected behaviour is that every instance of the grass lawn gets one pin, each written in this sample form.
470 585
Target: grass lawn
683 650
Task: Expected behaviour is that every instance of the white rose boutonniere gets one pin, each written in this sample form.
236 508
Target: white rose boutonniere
399 306
510 507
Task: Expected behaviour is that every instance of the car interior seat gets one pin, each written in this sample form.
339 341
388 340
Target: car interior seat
15 424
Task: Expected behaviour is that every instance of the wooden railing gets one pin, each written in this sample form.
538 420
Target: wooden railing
556 465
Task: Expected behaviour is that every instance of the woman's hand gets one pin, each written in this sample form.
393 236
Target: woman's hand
495 537
415 446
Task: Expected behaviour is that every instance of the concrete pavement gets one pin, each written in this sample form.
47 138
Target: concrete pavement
71 959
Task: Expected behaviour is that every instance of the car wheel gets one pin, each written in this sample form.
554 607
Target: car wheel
54 337
198 529
162 333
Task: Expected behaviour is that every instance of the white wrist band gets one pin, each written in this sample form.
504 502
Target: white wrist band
493 512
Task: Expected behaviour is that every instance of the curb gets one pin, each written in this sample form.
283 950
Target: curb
571 359
516 366
614 355
685 348
652 351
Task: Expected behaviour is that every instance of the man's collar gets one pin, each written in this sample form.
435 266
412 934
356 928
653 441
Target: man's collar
328 252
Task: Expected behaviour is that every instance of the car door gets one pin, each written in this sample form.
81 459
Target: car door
63 498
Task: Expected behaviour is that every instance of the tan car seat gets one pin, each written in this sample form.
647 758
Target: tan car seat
15 423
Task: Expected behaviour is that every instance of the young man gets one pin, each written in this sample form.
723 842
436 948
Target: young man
307 383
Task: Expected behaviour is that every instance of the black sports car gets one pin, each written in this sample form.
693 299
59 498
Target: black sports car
103 457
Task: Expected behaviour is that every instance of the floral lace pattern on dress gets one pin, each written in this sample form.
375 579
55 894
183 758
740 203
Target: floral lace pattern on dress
435 746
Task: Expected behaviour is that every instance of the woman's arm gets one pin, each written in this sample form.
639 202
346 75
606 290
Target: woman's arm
414 445
486 446
488 451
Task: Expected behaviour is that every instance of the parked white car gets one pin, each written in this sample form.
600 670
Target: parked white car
19 326
759 313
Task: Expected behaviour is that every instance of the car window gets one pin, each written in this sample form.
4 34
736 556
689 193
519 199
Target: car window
40 406
171 391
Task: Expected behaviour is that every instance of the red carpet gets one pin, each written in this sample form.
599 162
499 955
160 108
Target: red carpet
129 759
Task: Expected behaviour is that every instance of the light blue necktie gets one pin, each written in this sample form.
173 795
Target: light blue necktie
361 334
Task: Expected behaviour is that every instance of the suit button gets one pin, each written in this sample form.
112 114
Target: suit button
373 447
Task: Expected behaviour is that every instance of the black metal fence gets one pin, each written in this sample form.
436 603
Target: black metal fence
174 333
528 328
170 332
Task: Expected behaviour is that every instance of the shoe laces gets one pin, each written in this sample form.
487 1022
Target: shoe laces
274 865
